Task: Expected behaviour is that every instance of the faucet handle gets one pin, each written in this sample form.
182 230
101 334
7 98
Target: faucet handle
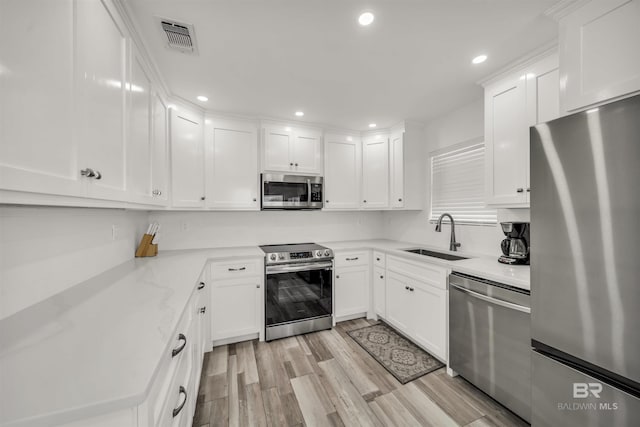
454 245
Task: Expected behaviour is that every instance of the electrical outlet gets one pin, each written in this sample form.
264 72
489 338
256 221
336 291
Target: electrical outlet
115 232
184 226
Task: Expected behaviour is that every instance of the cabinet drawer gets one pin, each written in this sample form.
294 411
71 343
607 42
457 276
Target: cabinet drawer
233 269
423 272
379 259
351 259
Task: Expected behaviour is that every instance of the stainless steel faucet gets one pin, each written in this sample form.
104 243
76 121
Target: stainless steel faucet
453 245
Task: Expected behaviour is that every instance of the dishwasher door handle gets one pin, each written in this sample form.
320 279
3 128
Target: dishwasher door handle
488 299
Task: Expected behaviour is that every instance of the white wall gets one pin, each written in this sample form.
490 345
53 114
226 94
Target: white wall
460 125
182 230
45 250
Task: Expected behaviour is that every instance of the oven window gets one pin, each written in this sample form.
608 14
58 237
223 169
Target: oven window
286 192
297 296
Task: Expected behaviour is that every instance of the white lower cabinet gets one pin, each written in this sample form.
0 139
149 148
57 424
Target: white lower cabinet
352 282
416 303
236 300
379 291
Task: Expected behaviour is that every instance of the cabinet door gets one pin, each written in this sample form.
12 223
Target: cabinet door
543 91
398 302
139 142
396 163
379 291
232 165
375 173
235 308
342 179
159 150
37 147
351 291
277 143
428 311
187 159
600 52
307 152
507 143
101 46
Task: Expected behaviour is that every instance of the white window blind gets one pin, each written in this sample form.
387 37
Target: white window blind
457 185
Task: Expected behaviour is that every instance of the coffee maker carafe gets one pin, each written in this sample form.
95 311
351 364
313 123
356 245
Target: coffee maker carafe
515 248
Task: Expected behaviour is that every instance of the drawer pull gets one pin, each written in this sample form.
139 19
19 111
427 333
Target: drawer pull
377 259
176 351
351 259
406 287
382 277
177 410
238 269
201 285
203 310
411 289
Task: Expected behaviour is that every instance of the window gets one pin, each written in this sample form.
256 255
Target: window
457 184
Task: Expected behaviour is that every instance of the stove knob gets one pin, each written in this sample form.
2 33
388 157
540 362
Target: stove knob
318 253
280 256
327 252
272 257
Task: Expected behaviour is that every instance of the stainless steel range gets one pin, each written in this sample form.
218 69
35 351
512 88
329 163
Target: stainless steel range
299 289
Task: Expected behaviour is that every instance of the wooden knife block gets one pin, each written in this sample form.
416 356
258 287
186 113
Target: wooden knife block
146 248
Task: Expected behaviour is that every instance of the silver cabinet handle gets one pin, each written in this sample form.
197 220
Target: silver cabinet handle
411 289
88 172
351 259
364 201
200 285
237 269
520 190
493 300
326 201
528 190
399 200
177 410
337 277
296 165
291 164
255 200
156 192
377 259
203 310
406 287
382 277
258 286
202 198
176 351
98 175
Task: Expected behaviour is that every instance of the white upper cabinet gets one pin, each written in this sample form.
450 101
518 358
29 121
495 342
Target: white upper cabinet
232 165
600 52
37 146
396 165
159 149
187 158
102 48
139 141
342 171
375 172
292 150
512 104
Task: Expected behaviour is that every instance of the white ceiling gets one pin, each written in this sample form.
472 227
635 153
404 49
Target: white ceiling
274 57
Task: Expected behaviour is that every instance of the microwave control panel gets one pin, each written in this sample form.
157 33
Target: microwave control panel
316 192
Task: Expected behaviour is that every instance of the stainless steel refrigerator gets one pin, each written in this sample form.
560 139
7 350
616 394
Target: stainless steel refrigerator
585 268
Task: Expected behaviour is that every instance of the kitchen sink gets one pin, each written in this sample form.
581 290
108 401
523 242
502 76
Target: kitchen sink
435 254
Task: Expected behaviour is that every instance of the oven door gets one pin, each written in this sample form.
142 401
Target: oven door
298 292
291 192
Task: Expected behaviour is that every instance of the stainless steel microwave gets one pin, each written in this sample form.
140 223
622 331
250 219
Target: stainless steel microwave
291 192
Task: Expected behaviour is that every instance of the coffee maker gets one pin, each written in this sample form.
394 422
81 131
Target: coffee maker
515 248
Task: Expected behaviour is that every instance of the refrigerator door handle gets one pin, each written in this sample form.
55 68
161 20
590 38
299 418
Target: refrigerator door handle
499 302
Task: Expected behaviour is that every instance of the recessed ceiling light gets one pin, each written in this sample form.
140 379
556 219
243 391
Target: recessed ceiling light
299 113
479 59
172 107
287 129
366 18
372 125
349 138
202 98
207 121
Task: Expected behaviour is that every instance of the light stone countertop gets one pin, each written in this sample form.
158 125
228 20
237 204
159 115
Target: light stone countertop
96 347
480 265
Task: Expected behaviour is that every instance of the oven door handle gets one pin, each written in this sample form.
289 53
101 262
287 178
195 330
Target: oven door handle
275 269
491 300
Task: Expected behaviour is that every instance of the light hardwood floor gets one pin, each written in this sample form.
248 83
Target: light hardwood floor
327 379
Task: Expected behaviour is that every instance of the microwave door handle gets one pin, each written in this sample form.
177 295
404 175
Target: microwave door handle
309 192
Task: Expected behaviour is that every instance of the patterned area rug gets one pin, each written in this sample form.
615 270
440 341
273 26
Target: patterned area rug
403 359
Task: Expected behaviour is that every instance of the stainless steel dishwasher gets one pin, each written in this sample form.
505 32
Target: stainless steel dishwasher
490 339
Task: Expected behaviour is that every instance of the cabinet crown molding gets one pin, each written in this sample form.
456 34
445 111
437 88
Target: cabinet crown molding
563 8
521 63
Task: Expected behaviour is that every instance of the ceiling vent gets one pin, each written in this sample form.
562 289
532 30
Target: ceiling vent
178 36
